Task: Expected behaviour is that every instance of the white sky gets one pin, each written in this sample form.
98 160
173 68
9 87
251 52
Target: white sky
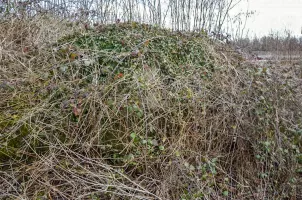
273 15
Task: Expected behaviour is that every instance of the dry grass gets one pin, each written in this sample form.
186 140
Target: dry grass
130 111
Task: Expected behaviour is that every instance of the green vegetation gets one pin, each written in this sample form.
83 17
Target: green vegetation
133 111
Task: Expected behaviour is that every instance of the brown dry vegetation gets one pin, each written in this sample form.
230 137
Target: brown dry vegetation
131 111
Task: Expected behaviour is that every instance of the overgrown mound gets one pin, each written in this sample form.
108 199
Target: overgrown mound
132 111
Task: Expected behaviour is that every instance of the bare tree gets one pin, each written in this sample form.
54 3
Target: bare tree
182 15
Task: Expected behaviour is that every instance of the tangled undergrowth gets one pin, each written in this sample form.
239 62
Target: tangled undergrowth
132 111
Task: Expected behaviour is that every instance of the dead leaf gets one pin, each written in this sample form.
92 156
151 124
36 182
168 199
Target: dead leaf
76 111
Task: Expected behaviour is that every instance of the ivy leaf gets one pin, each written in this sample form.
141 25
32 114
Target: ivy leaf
225 193
140 114
192 168
133 135
161 148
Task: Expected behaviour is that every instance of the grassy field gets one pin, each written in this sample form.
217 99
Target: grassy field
132 111
279 55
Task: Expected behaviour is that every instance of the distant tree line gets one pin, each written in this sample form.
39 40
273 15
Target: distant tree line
271 42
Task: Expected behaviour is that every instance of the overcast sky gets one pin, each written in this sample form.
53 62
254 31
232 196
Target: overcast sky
273 15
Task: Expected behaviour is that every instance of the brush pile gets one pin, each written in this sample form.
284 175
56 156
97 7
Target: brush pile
132 111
